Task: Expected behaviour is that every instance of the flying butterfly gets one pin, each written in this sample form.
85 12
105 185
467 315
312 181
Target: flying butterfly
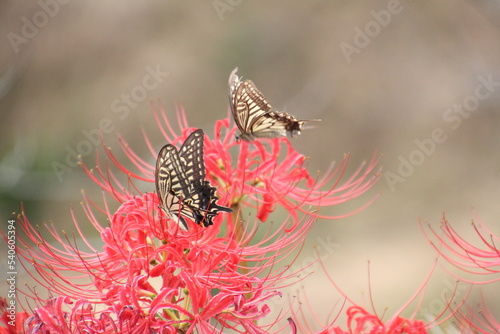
181 185
255 117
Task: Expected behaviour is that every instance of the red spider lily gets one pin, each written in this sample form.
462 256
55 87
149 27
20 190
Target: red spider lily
361 321
166 278
266 176
149 276
12 320
480 261
480 321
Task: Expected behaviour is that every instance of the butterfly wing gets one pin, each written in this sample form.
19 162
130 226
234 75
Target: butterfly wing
204 204
201 199
250 107
247 103
234 82
163 182
170 162
276 124
191 156
254 116
172 185
181 185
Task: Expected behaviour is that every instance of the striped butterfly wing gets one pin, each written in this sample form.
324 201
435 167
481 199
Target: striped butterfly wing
201 199
172 186
254 116
181 185
191 156
276 124
247 104
169 162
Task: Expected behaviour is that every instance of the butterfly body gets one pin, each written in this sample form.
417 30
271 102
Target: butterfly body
255 117
181 185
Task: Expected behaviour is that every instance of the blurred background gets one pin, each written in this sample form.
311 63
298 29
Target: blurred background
380 83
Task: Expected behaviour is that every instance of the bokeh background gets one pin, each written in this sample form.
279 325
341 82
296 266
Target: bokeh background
61 79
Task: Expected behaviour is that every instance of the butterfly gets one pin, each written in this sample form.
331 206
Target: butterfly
255 117
181 185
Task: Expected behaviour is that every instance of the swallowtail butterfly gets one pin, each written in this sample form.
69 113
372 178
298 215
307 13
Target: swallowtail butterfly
255 117
181 185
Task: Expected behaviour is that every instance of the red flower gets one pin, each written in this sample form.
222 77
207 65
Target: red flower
361 321
150 276
480 321
13 321
480 261
166 278
269 173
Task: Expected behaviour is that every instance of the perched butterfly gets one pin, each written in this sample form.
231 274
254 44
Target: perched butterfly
181 185
255 117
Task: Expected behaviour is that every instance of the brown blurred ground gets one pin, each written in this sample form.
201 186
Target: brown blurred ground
396 90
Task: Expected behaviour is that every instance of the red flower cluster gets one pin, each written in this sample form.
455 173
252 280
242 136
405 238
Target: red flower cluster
480 263
362 322
151 277
148 276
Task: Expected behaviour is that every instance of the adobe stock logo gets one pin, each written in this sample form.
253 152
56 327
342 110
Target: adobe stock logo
31 26
363 37
223 6
449 295
453 116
